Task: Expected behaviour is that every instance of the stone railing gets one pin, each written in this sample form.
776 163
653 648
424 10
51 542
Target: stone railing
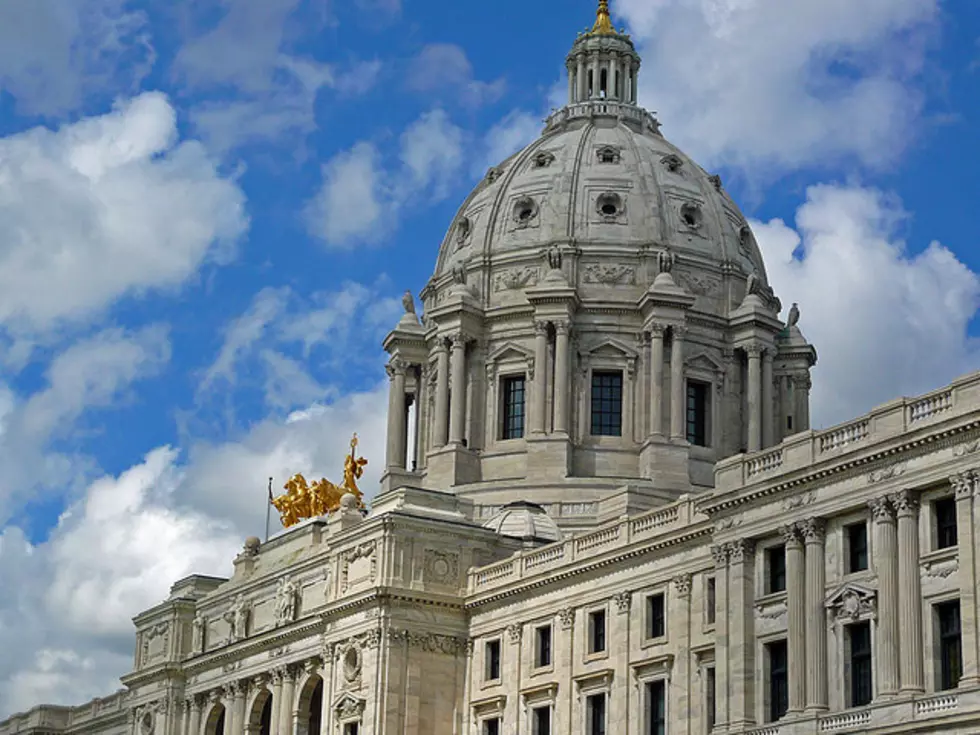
593 108
619 533
942 703
53 718
845 720
890 420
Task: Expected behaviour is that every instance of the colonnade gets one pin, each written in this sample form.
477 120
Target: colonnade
621 77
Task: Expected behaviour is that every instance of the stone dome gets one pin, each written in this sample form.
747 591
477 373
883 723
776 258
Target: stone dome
526 521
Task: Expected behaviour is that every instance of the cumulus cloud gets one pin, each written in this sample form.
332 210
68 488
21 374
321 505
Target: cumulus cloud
513 132
107 207
444 69
885 321
360 198
56 56
770 86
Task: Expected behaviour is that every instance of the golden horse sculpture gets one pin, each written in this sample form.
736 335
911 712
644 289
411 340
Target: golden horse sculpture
302 500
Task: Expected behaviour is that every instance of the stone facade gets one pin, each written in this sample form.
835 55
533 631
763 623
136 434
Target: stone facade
713 567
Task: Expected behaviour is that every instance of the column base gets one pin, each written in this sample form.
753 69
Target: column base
451 465
665 463
968 681
396 477
549 456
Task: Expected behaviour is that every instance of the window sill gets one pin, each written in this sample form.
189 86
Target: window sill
491 683
770 598
651 642
938 555
596 656
542 670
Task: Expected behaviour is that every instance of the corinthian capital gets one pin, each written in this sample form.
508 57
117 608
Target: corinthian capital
396 366
905 503
790 535
457 340
754 349
881 509
962 484
741 550
813 530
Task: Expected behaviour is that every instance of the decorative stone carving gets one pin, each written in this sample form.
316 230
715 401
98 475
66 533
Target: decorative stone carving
881 509
352 664
554 258
286 599
798 501
514 632
525 211
623 601
682 584
441 567
672 162
566 616
904 502
790 534
156 642
464 229
200 626
888 472
351 557
961 450
768 610
513 279
741 550
349 709
609 275
665 261
237 619
608 154
852 602
543 159
701 284
610 206
715 180
493 173
719 553
691 216
813 529
459 274
942 568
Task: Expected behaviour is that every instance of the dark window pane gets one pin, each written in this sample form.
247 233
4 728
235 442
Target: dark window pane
656 616
607 404
945 512
513 408
697 413
710 601
493 660
778 679
544 646
776 569
542 721
656 708
950 646
491 727
597 631
857 547
710 696
859 639
596 714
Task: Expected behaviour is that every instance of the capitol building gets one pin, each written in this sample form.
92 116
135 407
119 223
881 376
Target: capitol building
603 509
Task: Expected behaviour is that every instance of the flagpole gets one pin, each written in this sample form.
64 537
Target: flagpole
268 509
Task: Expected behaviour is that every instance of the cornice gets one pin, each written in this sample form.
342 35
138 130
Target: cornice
839 471
551 576
250 646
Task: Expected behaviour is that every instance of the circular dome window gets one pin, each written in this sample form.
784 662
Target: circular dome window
691 216
525 210
609 205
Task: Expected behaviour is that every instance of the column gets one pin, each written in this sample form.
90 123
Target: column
442 397
801 395
538 398
277 677
814 534
678 416
741 636
886 566
796 617
397 439
285 707
966 537
240 703
326 673
228 702
457 407
580 79
635 71
754 352
909 592
657 380
562 366
679 612
720 555
571 84
194 723
767 403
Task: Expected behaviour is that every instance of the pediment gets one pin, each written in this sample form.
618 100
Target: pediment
509 351
348 707
703 362
852 601
611 348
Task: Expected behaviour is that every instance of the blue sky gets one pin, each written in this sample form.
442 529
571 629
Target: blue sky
209 211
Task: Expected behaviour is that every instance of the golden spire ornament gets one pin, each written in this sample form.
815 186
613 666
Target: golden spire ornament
603 23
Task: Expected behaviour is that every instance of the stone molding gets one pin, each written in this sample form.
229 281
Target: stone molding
882 511
623 601
566 616
682 584
813 530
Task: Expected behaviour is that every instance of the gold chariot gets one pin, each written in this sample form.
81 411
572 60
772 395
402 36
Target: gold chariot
302 500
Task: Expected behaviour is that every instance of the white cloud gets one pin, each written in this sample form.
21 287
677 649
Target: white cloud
515 131
360 199
444 69
54 56
768 85
885 322
107 207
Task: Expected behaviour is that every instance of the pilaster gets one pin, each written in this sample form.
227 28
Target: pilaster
678 415
657 380
741 638
562 377
909 593
754 352
886 566
441 418
680 614
967 518
814 539
719 553
796 617
457 401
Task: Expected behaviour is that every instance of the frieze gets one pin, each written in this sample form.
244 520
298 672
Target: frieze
798 501
350 556
697 283
888 472
433 642
961 450
514 279
609 275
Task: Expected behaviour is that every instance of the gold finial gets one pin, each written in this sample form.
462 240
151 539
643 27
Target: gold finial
603 23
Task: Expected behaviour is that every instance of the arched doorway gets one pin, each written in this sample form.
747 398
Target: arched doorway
215 723
260 715
310 707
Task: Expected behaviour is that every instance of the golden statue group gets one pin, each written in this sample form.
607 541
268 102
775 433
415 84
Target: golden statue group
302 501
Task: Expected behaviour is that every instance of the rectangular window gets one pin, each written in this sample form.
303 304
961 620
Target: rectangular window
541 721
513 408
350 728
597 631
709 600
656 706
857 547
656 616
542 653
595 714
607 404
776 569
709 695
778 659
491 660
491 726
944 511
950 647
859 654
697 413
